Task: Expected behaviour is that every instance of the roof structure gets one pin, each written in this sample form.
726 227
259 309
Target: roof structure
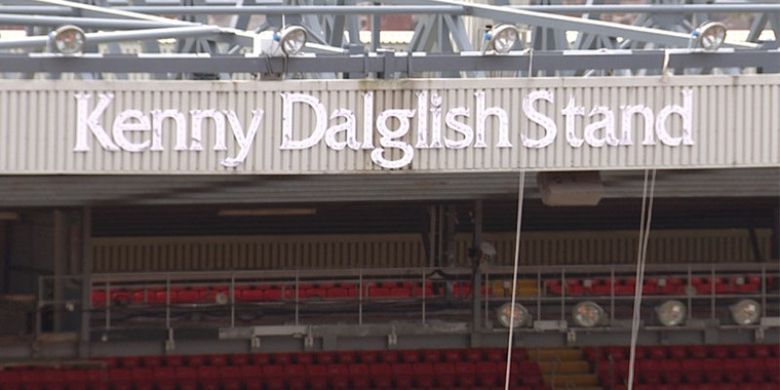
217 39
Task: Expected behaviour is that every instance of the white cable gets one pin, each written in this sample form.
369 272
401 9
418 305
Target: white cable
520 191
644 234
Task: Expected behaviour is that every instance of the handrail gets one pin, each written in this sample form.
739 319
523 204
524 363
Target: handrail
415 272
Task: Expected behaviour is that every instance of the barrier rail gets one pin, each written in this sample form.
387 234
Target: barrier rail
413 295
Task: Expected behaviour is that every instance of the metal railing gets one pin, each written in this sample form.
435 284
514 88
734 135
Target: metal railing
423 295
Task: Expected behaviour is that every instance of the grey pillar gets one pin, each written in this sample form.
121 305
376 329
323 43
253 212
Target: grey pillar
450 246
476 257
59 259
86 280
776 236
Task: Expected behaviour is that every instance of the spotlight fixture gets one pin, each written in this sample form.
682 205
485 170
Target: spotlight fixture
291 39
522 317
710 36
671 313
501 39
68 40
588 314
745 312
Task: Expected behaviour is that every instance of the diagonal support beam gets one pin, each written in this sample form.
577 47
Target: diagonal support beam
568 23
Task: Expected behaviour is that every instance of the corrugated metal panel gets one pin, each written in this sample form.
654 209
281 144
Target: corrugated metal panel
735 122
160 254
163 254
620 247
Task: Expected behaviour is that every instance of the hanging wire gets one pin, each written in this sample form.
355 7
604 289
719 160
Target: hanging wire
520 192
644 235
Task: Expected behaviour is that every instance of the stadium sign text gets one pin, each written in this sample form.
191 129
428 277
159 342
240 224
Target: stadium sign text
380 132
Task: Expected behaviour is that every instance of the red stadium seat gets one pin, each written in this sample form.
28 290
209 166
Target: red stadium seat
98 298
165 378
73 380
649 371
403 375
368 357
678 352
273 376
693 370
260 359
230 377
713 370
305 358
423 375
467 373
487 373
671 371
338 376
187 378
452 355
755 370
734 370
345 357
698 351
381 375
325 358
250 377
317 376
360 375
208 377
444 374
431 356
410 356
295 376
120 379
473 355
250 294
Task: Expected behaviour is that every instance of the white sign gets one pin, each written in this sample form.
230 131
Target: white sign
436 126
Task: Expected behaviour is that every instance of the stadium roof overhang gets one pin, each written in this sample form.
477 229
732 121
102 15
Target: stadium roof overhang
113 190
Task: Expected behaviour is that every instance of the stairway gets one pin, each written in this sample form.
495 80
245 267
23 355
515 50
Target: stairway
526 288
565 369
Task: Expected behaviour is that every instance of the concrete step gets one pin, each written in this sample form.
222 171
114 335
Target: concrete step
555 354
567 381
564 367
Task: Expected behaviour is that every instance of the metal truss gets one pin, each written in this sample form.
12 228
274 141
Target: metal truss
213 38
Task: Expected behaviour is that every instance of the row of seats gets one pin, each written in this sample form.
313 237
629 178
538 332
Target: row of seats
424 369
433 356
744 284
291 376
660 352
257 293
695 371
705 386
689 365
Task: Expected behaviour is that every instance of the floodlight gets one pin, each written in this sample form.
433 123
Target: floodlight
745 312
522 317
291 39
488 250
68 40
671 313
221 298
710 36
502 38
588 314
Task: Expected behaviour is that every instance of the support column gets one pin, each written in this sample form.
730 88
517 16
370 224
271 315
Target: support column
776 236
476 257
59 266
450 246
86 281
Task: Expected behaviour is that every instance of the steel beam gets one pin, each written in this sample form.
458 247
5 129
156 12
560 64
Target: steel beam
396 63
297 10
569 23
99 23
121 36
